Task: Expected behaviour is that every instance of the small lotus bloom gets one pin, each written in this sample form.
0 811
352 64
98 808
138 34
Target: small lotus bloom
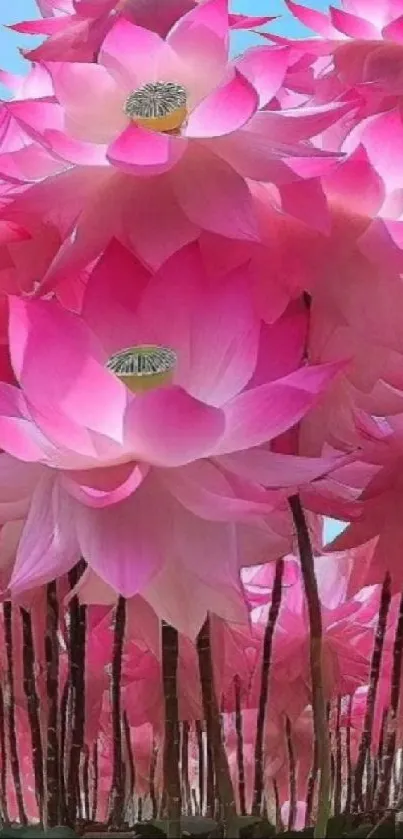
151 402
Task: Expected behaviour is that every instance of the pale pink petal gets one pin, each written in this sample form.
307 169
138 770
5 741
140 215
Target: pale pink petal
204 490
213 195
168 594
225 110
83 486
260 414
214 331
138 151
19 436
128 563
355 183
71 377
91 99
201 39
48 547
279 470
134 56
265 68
168 427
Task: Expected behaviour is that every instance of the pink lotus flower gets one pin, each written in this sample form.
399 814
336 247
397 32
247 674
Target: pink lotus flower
77 34
100 117
110 458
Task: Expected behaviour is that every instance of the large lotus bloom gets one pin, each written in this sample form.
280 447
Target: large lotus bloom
149 105
109 458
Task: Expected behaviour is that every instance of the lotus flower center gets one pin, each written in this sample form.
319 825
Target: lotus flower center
143 368
159 106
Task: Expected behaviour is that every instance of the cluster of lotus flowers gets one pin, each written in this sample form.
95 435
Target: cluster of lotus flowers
201 358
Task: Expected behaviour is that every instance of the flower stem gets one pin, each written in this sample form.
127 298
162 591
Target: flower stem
320 721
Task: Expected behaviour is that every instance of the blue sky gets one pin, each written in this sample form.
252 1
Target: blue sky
17 10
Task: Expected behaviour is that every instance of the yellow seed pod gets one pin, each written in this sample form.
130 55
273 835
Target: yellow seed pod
143 368
158 106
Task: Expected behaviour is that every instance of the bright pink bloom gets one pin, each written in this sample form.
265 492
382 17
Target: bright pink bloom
110 458
226 105
77 34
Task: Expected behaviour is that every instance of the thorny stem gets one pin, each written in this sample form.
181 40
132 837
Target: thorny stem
52 688
264 684
349 770
200 754
28 661
390 746
365 742
239 746
339 761
95 782
77 687
130 757
3 751
185 767
172 784
14 760
320 722
213 723
117 788
292 776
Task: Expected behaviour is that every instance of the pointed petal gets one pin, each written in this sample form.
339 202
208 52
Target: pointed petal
260 414
213 196
48 547
72 374
225 110
138 151
265 68
168 427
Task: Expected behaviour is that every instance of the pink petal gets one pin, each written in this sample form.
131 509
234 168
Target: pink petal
295 124
353 26
48 547
224 110
72 377
168 427
213 196
306 201
207 493
265 68
87 487
312 19
138 151
112 296
168 596
279 470
91 99
134 56
127 565
258 415
237 21
19 435
201 39
356 184
214 332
